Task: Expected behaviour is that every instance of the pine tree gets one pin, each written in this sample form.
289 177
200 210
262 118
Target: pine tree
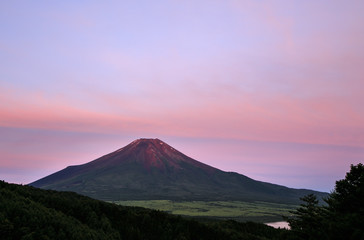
346 206
307 220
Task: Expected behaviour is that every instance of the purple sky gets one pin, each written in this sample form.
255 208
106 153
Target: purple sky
270 89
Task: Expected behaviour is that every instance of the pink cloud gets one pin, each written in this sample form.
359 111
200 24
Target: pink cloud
249 116
27 109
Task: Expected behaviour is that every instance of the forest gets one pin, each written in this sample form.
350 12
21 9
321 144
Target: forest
342 217
31 213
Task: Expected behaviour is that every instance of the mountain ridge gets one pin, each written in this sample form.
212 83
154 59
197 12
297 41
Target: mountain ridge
150 169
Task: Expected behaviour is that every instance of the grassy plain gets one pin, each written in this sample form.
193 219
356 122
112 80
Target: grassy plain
237 210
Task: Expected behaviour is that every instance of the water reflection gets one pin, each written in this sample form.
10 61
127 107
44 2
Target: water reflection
281 224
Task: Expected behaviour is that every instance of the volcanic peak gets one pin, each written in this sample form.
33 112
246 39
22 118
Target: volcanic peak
149 153
154 153
151 169
148 142
148 145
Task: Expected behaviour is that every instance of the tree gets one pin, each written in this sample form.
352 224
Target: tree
348 196
343 216
346 206
307 220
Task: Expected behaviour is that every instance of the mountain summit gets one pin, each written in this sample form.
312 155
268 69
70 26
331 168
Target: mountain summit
152 154
151 169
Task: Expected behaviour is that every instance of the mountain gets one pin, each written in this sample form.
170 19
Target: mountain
149 169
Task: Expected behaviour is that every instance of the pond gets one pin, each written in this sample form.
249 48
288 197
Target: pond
281 224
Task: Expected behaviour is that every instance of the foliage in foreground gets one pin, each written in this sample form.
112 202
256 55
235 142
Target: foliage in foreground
31 213
342 218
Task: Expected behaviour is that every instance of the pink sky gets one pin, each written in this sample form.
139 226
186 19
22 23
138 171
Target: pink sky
272 90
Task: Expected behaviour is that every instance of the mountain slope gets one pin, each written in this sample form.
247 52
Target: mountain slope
151 169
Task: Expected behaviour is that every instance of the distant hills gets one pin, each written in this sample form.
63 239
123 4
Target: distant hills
150 169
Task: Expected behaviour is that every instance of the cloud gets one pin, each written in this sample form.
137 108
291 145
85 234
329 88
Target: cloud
218 111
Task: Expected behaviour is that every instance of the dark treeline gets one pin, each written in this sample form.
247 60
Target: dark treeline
30 213
341 218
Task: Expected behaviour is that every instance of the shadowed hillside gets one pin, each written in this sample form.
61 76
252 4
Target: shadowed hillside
30 213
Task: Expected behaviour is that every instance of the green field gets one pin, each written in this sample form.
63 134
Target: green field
241 211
